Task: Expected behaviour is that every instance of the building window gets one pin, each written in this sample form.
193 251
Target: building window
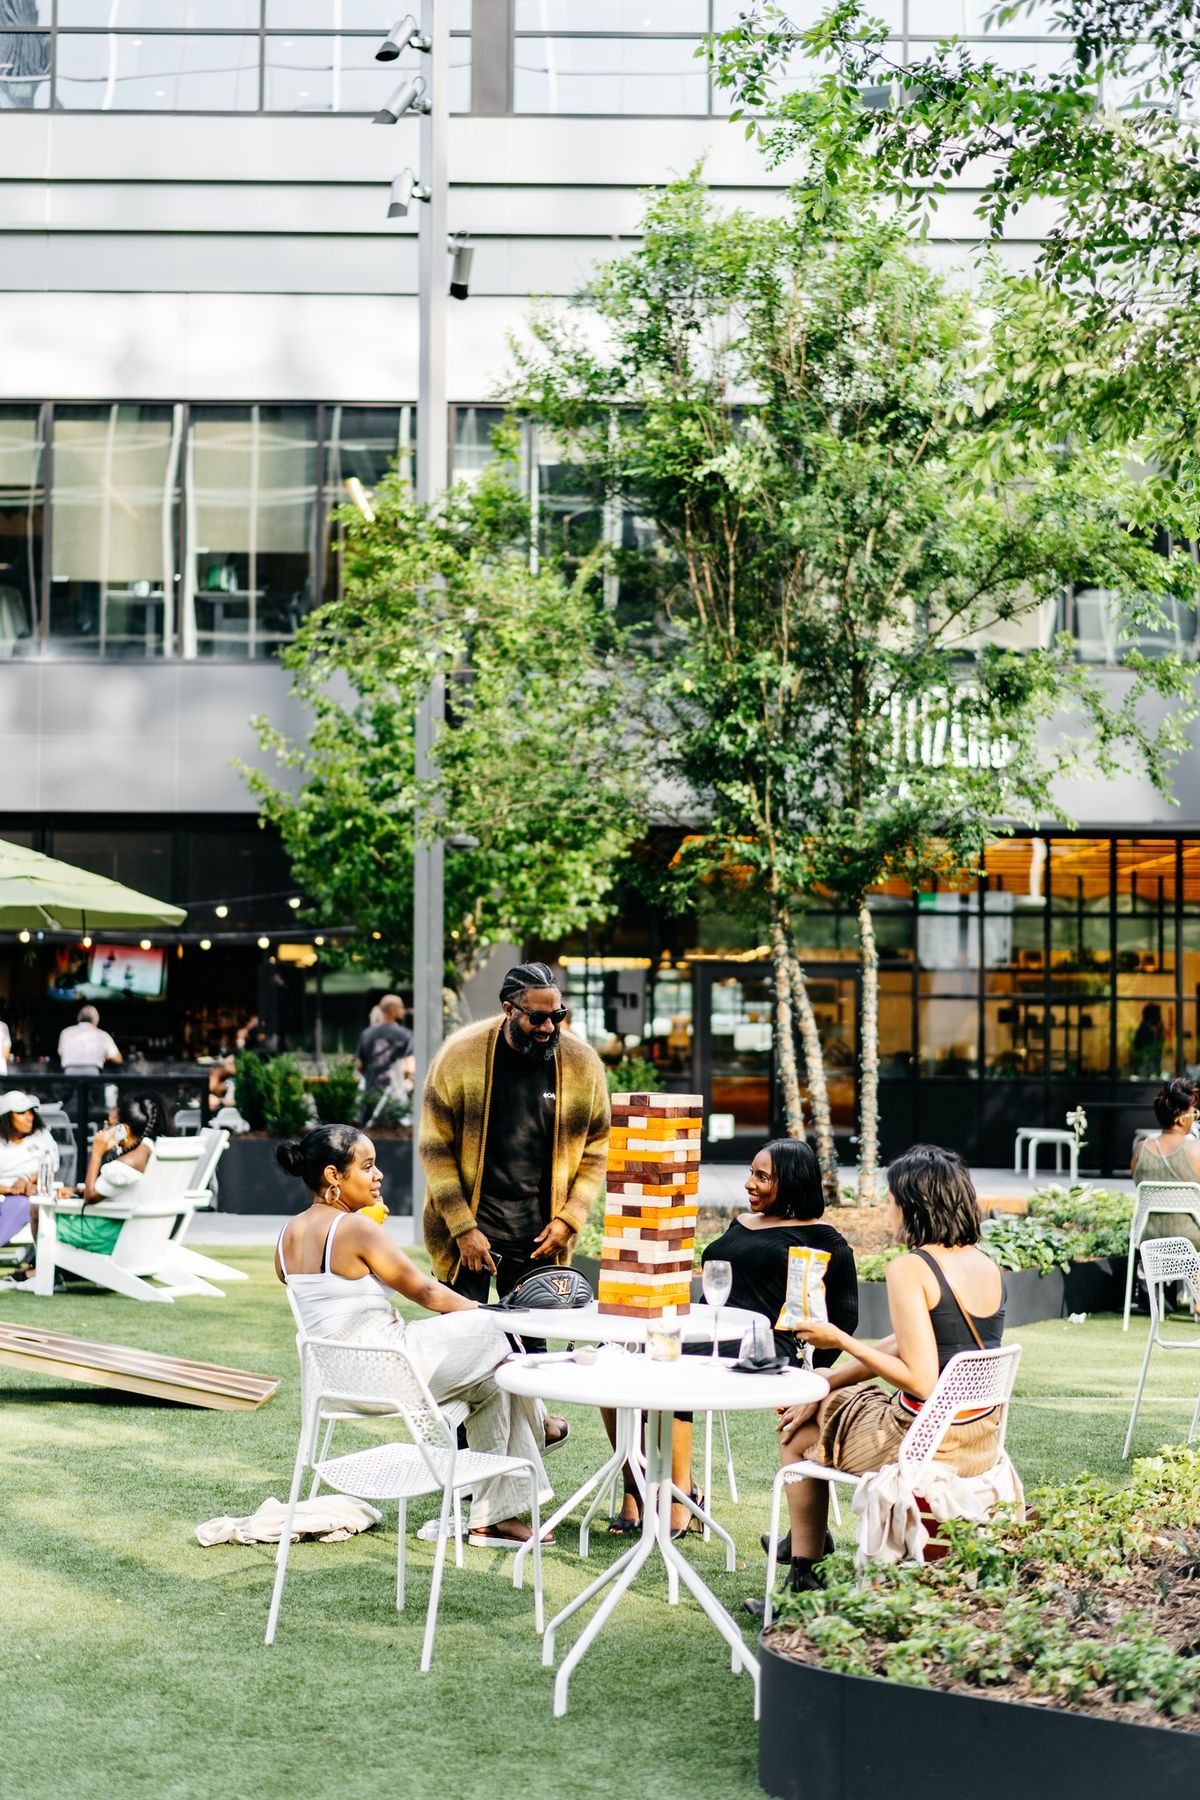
361 444
252 518
610 75
208 56
161 72
25 57
22 513
114 501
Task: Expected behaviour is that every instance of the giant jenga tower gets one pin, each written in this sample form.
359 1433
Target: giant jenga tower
650 1216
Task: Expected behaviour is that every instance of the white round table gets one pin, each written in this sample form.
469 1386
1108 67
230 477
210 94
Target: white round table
588 1325
659 1389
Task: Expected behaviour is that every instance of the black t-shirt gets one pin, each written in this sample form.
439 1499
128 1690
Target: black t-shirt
514 1195
759 1257
379 1048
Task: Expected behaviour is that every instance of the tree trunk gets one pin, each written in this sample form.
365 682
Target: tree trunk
868 1054
785 1038
814 1060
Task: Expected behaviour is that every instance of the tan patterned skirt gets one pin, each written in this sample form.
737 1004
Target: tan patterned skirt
861 1428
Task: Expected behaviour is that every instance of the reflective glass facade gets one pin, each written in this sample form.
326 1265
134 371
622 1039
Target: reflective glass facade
1068 973
208 56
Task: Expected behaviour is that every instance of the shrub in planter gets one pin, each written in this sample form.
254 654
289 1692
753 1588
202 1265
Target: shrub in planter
286 1109
338 1098
250 1089
1091 1603
633 1075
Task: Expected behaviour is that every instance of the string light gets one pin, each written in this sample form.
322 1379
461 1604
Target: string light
222 912
145 944
377 935
206 943
264 943
318 941
294 902
87 943
24 936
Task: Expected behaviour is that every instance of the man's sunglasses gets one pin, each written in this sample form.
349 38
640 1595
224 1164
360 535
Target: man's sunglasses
538 1017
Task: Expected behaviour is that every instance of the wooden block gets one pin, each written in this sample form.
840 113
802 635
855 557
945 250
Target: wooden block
641 1312
132 1371
629 1138
624 1123
670 1181
664 1105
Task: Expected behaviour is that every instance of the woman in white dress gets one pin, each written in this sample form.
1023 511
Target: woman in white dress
342 1268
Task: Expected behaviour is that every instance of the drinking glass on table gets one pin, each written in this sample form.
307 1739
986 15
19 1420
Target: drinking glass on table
717 1278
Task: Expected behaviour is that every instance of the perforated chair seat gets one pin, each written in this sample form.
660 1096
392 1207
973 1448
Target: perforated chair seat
390 1471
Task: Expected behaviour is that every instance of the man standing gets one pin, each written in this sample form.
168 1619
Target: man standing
83 1049
384 1046
514 1140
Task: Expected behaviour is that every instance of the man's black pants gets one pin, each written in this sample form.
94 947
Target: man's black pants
513 1260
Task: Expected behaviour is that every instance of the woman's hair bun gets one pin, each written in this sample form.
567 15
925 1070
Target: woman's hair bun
290 1157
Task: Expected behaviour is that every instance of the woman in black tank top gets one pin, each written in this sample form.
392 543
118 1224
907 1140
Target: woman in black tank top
945 1297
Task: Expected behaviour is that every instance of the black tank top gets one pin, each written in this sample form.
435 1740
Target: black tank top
950 1328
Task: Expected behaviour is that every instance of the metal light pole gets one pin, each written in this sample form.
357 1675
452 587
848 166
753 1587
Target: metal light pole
428 854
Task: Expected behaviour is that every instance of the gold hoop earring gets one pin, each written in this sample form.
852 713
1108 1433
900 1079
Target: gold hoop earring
333 1194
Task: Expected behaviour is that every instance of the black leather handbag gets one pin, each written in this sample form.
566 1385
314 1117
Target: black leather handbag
554 1289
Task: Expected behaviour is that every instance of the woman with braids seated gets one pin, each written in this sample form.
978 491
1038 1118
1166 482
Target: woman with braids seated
342 1268
1174 1155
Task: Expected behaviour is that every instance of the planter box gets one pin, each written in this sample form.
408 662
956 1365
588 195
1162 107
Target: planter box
1089 1287
843 1737
251 1181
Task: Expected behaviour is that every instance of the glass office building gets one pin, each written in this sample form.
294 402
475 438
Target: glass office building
210 328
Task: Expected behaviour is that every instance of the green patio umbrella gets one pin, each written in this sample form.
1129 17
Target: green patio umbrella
37 893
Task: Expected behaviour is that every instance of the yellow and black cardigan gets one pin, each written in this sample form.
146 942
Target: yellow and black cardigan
454 1123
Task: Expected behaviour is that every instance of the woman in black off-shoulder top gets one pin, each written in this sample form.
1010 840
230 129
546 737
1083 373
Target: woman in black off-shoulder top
786 1201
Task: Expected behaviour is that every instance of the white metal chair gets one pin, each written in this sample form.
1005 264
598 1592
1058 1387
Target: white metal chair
1164 1260
187 1121
1156 1197
453 1411
381 1377
973 1378
154 1218
1029 1141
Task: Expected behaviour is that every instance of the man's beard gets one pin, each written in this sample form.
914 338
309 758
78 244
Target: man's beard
525 1044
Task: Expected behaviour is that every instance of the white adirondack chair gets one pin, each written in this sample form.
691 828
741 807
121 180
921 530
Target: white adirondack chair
190 1262
154 1218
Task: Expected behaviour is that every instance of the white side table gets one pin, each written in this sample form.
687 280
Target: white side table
659 1389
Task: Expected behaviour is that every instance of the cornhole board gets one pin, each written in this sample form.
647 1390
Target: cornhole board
133 1371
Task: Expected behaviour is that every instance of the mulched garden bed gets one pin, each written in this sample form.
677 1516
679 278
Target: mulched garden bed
1161 1597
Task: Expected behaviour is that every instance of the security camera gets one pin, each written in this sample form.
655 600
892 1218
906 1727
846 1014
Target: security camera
403 34
405 189
460 268
410 96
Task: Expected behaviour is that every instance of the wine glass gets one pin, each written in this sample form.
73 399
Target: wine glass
718 1284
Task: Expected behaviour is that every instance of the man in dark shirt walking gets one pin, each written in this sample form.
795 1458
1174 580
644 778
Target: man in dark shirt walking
381 1047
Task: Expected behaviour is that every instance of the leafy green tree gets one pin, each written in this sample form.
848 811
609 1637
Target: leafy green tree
536 760
853 673
1111 139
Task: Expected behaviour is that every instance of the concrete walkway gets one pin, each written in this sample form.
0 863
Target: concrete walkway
722 1189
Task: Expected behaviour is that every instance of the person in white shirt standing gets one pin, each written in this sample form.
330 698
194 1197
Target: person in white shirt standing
83 1049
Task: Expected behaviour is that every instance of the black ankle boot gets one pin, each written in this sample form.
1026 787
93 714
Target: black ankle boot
804 1578
783 1549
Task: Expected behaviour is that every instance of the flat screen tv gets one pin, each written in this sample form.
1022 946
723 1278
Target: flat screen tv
126 969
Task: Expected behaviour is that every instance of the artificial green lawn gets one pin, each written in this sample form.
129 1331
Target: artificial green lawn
133 1659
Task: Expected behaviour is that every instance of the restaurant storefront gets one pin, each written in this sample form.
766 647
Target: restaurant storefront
1067 973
